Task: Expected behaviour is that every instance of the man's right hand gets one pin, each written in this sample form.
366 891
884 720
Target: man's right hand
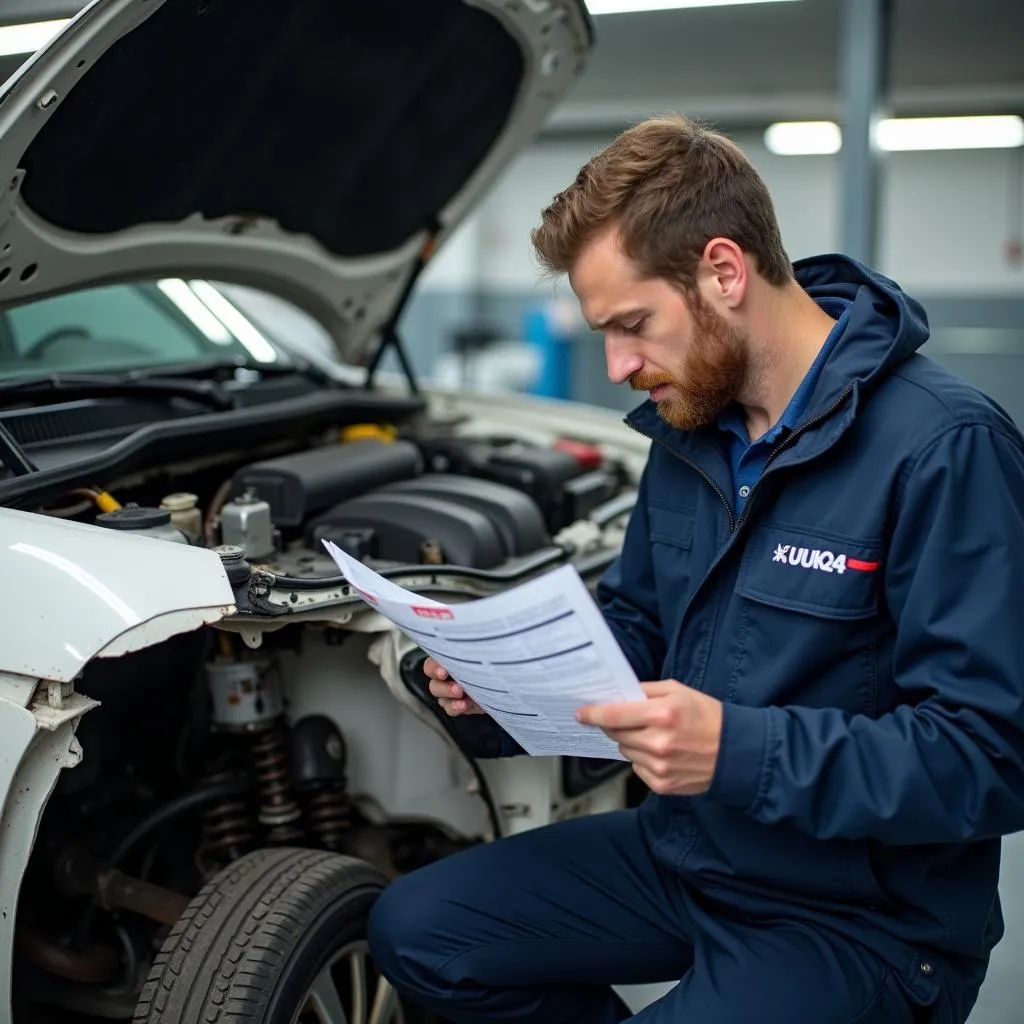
450 695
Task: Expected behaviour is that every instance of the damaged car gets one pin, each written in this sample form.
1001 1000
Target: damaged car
213 753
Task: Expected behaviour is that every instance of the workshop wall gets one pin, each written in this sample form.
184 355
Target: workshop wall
948 221
946 217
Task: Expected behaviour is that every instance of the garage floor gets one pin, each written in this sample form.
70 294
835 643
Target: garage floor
1001 996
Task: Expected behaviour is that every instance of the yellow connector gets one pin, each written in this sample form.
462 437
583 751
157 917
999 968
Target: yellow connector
368 431
106 502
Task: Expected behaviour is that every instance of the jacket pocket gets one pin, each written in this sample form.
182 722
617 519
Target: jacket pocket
807 621
733 851
670 531
815 573
669 525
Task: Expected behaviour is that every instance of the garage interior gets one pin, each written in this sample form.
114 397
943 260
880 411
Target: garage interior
946 223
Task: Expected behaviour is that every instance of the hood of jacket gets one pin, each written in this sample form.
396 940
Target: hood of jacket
886 327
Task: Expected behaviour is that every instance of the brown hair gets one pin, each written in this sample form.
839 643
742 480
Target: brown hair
670 185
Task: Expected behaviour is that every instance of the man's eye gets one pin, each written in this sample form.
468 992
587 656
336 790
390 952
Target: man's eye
635 328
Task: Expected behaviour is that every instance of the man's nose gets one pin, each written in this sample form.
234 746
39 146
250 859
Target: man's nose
622 360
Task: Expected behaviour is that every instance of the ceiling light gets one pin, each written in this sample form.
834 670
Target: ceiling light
236 322
951 133
633 6
17 39
807 138
803 138
192 306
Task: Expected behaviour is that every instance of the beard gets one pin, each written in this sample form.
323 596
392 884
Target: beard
711 377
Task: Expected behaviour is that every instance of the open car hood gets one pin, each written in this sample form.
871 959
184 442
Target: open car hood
318 150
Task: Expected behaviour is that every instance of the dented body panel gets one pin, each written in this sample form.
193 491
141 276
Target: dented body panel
76 592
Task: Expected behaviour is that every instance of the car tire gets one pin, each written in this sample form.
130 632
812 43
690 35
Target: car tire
277 937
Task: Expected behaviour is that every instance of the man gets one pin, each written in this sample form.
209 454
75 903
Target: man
825 571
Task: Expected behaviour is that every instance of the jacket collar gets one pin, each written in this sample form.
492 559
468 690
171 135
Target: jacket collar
885 328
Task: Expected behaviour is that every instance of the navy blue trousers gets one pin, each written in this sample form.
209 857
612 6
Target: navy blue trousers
537 927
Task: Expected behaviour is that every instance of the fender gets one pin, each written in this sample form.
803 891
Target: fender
75 592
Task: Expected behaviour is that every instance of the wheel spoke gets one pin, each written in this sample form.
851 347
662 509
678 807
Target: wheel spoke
357 962
384 1003
326 1003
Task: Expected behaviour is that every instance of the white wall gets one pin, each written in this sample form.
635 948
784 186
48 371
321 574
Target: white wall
455 265
947 220
946 217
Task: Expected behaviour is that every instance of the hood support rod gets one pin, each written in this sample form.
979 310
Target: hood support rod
389 337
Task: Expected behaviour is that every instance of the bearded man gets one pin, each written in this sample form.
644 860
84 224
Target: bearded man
822 579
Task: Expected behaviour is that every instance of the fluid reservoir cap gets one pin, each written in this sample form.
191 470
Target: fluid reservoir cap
132 517
180 501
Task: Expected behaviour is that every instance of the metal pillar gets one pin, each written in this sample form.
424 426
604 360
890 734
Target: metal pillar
864 53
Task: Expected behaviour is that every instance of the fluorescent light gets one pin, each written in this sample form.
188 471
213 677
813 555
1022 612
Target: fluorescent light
596 7
192 306
803 138
236 322
15 39
951 133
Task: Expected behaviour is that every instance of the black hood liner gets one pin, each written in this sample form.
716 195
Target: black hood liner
354 121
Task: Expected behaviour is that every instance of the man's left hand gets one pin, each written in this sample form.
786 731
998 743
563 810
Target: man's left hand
672 738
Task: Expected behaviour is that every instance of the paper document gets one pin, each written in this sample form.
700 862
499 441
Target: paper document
529 656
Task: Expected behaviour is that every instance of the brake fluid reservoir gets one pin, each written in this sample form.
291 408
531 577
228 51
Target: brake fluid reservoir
245 695
185 514
143 522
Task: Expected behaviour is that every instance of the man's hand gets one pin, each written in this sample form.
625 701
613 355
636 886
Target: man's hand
672 737
450 695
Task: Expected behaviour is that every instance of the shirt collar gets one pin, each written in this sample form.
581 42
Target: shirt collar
732 420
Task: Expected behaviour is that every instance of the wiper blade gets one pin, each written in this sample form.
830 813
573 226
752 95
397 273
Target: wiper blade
92 385
244 371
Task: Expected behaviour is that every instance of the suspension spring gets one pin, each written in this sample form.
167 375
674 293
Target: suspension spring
279 812
227 827
329 816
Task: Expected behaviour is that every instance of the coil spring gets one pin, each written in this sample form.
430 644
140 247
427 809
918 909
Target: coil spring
329 816
278 808
227 826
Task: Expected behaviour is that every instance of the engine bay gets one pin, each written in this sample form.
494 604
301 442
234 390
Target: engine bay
280 727
427 501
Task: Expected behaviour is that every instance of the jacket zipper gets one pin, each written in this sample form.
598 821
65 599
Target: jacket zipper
700 472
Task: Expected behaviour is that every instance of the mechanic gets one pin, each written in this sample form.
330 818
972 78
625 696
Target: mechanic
824 575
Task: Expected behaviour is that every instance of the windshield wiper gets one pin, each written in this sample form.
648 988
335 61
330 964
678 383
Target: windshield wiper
242 371
93 385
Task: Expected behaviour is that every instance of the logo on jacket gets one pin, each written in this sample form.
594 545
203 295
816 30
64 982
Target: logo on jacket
823 561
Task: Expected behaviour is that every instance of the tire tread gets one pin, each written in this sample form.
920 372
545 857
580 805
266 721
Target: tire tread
224 957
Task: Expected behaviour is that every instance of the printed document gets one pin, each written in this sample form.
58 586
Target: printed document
529 656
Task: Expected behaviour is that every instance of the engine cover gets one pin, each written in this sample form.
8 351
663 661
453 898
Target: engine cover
300 485
459 520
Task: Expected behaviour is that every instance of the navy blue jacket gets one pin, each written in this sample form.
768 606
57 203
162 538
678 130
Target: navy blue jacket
862 623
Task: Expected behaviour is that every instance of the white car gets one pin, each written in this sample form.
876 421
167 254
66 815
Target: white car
212 753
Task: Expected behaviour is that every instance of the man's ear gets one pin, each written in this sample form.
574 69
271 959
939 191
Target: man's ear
725 272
